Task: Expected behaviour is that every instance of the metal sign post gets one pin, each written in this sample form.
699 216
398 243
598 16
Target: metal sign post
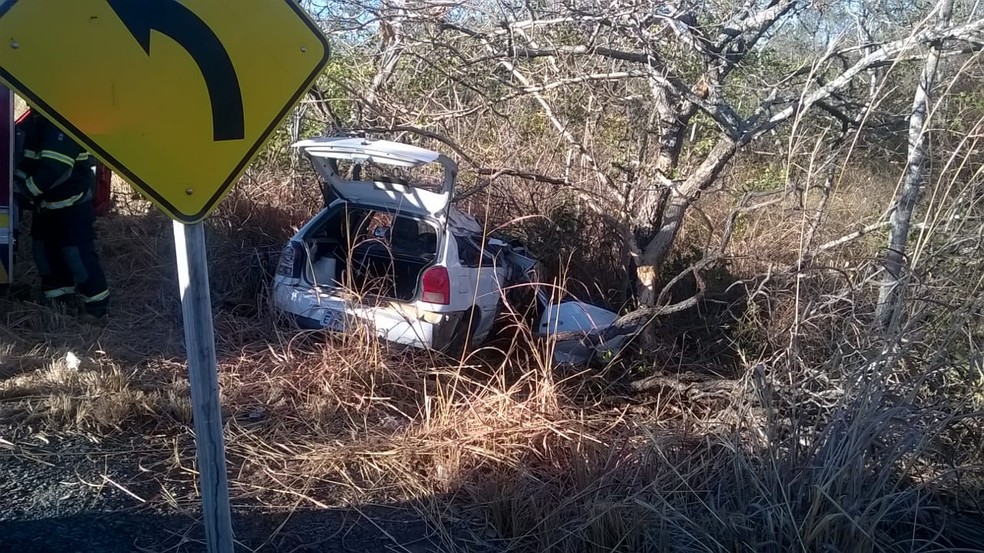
196 308
167 94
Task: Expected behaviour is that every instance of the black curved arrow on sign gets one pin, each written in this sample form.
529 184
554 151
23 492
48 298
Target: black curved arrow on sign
171 18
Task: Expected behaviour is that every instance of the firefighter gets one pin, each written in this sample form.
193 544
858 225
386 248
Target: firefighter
54 179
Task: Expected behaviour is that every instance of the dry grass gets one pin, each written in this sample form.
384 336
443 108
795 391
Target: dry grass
824 439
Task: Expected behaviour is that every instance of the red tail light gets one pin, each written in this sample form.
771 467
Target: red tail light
437 286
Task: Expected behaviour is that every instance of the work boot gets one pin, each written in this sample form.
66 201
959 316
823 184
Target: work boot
95 312
66 304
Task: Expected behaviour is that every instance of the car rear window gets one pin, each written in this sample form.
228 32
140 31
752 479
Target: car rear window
426 177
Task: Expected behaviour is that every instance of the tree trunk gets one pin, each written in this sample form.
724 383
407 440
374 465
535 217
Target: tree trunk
895 270
662 210
673 119
674 214
814 223
673 129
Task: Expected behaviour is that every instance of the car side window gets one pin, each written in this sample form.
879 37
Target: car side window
471 255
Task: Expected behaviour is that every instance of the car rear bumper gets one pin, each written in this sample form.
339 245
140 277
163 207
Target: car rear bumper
399 323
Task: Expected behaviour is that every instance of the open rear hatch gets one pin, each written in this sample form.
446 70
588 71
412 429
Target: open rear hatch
383 240
383 173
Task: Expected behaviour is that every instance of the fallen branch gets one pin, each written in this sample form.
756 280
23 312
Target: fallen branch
634 322
525 175
852 236
694 389
808 259
637 321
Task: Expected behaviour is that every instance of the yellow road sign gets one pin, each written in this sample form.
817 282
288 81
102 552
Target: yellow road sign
176 96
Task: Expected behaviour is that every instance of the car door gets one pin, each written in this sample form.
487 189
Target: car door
477 280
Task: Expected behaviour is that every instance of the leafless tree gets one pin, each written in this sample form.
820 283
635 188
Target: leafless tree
890 294
616 92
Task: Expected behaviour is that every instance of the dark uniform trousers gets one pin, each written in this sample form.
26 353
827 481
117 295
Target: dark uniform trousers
63 243
54 178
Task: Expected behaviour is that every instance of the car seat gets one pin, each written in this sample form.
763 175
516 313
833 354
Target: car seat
405 234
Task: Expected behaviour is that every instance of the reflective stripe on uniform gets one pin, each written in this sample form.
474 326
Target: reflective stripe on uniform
58 156
20 174
98 297
31 154
59 292
63 203
33 188
84 156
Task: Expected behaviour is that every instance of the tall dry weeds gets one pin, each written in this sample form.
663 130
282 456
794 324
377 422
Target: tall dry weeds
810 434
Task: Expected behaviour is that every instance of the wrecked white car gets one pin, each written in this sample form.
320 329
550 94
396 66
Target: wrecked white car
389 252
395 256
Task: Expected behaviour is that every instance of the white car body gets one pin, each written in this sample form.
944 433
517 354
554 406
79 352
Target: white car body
457 295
